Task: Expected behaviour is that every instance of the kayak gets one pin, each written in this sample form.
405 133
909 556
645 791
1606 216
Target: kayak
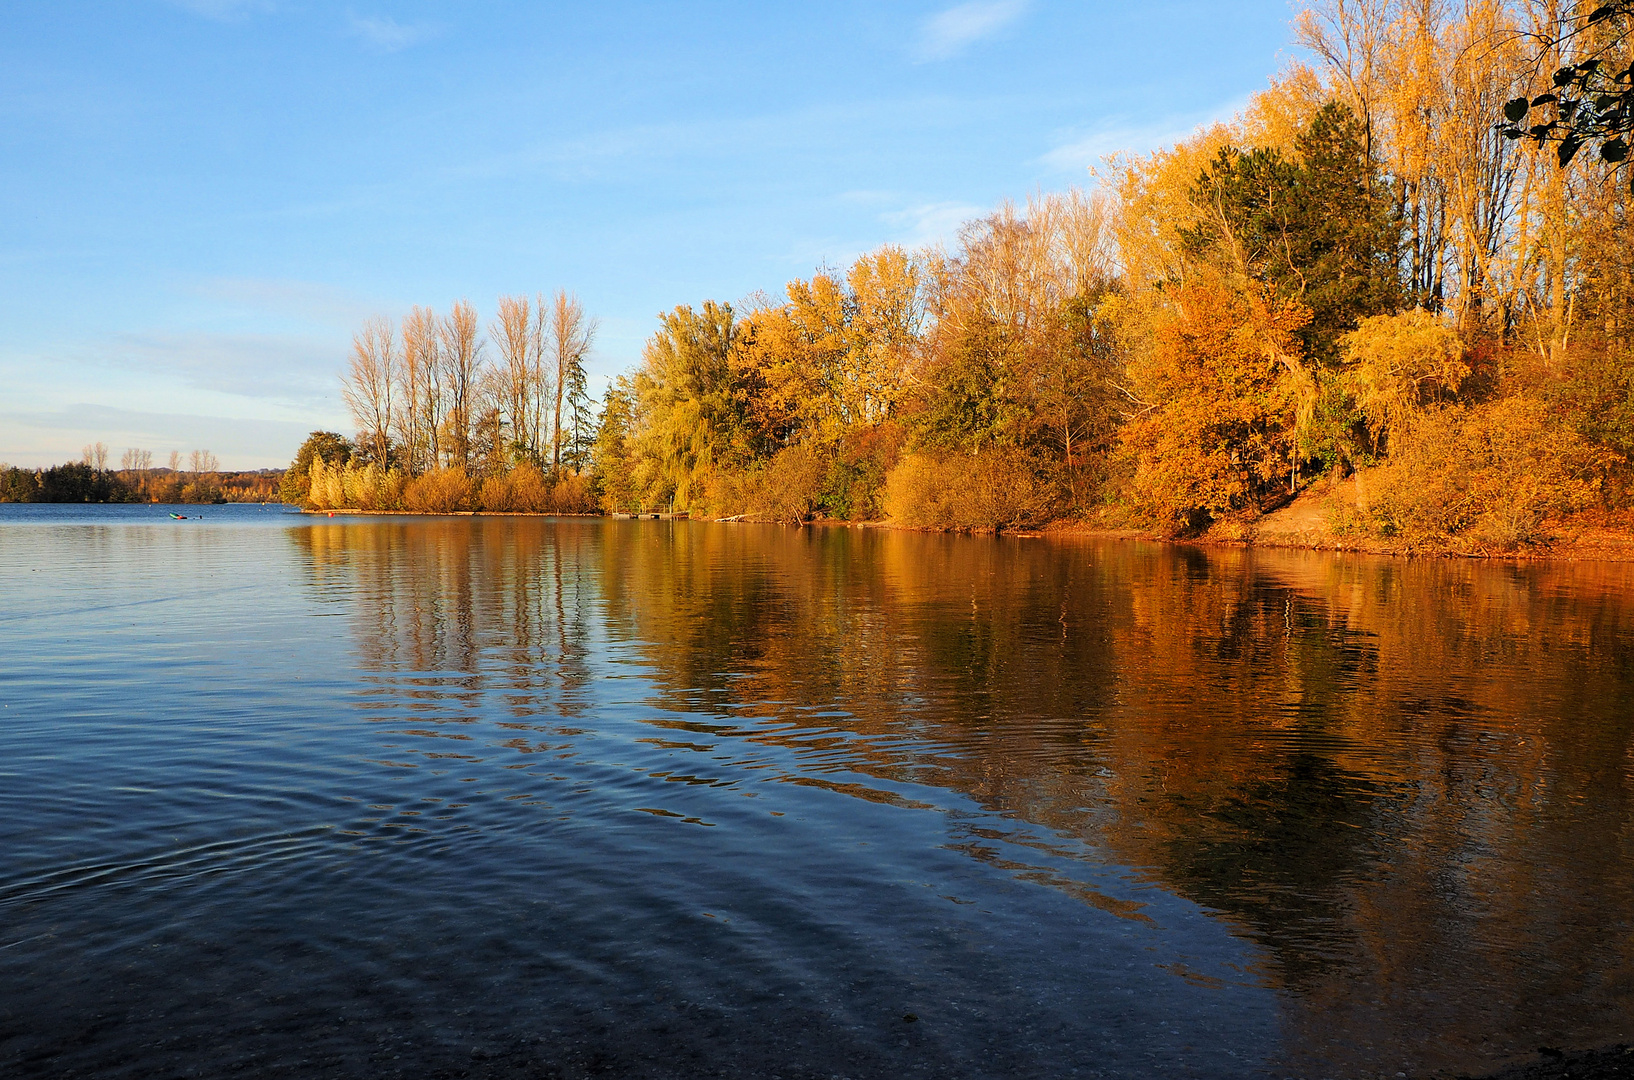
179 517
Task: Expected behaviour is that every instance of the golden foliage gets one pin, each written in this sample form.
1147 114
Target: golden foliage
789 488
527 490
987 490
371 487
1489 476
441 491
1221 394
1398 364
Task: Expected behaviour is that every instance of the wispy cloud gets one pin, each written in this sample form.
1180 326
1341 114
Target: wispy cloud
614 152
264 367
949 33
302 302
386 34
930 223
1079 151
224 10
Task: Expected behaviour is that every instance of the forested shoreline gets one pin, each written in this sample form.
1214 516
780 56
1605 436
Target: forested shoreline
1358 290
191 478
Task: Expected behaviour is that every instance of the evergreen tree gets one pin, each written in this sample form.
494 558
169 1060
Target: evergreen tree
1322 230
611 452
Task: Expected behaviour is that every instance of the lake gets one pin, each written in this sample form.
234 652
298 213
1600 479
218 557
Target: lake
288 796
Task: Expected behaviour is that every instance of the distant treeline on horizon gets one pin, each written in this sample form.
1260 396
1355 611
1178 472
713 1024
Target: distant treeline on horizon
195 478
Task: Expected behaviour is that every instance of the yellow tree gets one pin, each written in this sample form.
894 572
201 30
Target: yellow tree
515 332
368 385
688 417
1217 406
419 391
461 359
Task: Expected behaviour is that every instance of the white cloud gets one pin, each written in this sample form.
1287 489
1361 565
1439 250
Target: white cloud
386 34
949 33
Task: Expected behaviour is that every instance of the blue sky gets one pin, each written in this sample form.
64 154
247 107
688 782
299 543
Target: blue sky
200 200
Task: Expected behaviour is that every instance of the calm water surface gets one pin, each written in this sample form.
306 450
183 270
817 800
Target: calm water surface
285 796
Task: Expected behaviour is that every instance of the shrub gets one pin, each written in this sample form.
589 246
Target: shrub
791 485
371 487
528 489
1396 365
855 486
1492 474
327 489
442 491
497 494
727 494
572 493
988 490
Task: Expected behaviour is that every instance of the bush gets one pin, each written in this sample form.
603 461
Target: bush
443 491
498 495
573 493
727 494
790 486
855 487
529 490
1397 365
326 489
988 490
1492 474
351 487
372 487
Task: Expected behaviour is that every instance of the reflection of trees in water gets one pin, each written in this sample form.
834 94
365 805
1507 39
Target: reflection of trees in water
449 612
1410 781
1034 678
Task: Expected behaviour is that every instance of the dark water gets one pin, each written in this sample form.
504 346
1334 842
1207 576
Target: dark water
284 796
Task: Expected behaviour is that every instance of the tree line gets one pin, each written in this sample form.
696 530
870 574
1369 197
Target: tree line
1364 283
448 418
188 478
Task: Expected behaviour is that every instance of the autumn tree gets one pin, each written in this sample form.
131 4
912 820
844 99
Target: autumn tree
572 332
330 447
1398 365
368 388
693 420
1218 400
420 383
516 334
461 356
1590 96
